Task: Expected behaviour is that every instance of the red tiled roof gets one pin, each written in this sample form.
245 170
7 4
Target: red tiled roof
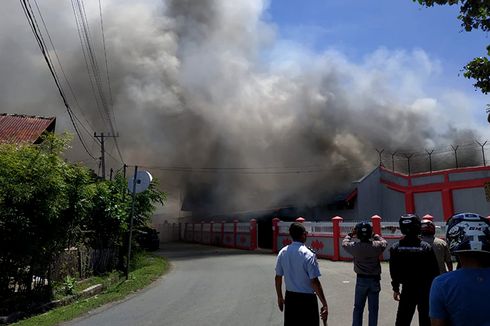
15 128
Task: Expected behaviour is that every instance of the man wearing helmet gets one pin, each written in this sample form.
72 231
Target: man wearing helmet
413 265
441 250
461 297
366 249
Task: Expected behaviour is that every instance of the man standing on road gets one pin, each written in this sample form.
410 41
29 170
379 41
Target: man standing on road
299 266
460 298
366 249
441 250
413 265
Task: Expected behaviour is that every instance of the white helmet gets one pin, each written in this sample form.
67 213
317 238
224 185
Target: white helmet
468 232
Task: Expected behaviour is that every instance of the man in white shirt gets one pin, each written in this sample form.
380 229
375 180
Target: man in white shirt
299 267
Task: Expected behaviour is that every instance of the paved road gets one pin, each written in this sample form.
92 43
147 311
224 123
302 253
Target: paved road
210 286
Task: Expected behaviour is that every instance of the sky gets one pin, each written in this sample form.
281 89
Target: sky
268 102
359 28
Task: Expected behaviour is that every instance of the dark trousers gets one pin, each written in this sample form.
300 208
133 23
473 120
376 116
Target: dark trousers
301 309
413 295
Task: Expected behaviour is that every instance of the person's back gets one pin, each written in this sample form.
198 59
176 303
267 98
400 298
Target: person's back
365 249
294 258
413 265
464 294
412 261
366 254
439 246
298 266
460 298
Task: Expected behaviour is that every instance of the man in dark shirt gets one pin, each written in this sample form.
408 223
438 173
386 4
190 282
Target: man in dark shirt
366 249
413 265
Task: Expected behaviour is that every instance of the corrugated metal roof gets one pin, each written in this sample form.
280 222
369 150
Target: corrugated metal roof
16 128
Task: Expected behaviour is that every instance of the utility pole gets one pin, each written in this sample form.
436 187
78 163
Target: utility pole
102 149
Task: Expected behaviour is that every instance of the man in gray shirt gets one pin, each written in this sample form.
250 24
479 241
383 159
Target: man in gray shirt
366 249
439 246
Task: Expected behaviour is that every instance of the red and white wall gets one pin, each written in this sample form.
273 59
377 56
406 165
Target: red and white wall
326 237
240 235
439 193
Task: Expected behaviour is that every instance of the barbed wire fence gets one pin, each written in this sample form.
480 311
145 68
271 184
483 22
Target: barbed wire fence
433 159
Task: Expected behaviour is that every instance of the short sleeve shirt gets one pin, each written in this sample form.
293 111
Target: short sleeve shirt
299 266
461 297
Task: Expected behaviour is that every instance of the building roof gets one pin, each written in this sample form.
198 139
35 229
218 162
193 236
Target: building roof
17 128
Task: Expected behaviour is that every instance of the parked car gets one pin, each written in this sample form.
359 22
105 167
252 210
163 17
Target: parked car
147 238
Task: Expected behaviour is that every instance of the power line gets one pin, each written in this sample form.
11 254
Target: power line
253 171
29 13
63 71
78 22
104 105
111 103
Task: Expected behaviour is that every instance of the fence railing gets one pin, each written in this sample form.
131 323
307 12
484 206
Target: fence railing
326 237
168 232
241 235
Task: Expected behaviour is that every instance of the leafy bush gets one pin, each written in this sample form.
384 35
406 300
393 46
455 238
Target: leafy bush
47 205
69 285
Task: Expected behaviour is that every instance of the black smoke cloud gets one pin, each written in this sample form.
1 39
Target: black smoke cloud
208 83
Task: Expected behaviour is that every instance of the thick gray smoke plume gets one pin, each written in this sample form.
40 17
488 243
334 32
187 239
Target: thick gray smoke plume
208 84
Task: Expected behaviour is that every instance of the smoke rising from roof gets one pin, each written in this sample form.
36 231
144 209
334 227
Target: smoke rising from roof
209 83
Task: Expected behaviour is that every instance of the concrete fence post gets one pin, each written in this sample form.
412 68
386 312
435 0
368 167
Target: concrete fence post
376 221
428 217
202 232
223 232
336 236
193 232
275 233
211 235
253 234
235 234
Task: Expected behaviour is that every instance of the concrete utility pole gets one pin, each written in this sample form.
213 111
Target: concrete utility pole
102 149
133 196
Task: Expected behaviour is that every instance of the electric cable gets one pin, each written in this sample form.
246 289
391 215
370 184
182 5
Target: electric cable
29 13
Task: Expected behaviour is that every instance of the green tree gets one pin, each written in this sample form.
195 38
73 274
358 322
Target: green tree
108 220
473 15
48 204
42 201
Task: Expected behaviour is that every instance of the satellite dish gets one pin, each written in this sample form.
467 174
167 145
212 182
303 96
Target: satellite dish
143 180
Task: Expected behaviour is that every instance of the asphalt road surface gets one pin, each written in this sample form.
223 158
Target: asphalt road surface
209 286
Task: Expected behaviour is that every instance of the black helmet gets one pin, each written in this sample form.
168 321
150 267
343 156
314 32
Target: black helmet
468 232
364 231
410 224
427 227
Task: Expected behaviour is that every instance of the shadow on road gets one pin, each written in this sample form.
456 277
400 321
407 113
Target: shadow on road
183 251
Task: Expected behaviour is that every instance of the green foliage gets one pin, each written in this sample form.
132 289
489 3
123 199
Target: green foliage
48 204
145 203
69 285
473 15
479 69
108 221
41 203
148 270
108 214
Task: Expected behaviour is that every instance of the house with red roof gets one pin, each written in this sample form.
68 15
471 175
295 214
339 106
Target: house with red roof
19 128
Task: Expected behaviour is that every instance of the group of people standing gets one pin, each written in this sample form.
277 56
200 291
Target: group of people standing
419 264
